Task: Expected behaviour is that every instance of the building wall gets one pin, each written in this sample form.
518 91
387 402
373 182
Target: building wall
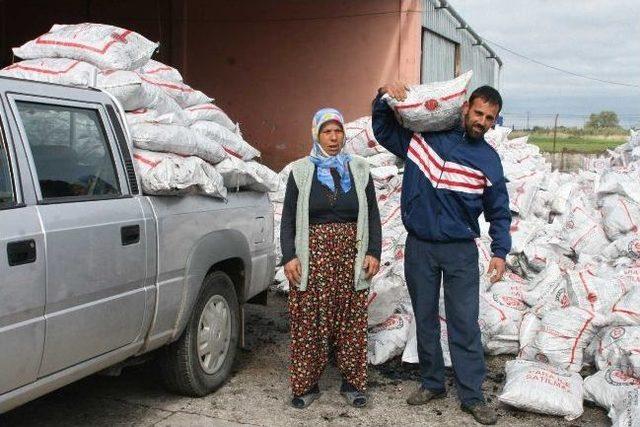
24 20
272 63
439 21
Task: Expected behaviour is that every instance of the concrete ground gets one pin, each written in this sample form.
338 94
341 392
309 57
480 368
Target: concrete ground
257 394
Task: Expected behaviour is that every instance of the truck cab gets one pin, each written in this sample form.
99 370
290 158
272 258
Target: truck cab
94 273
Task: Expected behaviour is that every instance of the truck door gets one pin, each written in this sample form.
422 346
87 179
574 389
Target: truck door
94 230
22 282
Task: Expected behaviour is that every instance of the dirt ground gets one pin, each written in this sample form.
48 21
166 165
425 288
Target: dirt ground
257 394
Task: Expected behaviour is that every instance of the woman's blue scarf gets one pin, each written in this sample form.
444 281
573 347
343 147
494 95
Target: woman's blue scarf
323 161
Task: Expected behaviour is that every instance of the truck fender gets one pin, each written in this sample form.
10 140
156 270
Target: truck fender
209 250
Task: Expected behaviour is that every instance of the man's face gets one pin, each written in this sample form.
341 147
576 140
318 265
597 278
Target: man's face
479 117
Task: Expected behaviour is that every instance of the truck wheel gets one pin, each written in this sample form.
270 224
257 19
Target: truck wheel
201 359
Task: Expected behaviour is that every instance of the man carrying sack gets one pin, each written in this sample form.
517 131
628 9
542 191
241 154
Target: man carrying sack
450 178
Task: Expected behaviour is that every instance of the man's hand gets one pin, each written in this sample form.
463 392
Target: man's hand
371 266
496 269
293 271
397 90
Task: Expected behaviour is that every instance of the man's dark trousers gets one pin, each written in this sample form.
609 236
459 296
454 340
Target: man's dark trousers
456 264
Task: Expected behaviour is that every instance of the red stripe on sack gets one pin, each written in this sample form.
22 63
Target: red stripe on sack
233 153
420 104
139 111
502 315
622 310
634 227
204 107
146 161
42 70
117 38
555 333
587 290
391 215
453 95
168 85
402 107
157 70
573 246
575 343
428 149
433 178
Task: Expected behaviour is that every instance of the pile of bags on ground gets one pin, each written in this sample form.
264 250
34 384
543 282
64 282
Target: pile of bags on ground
571 295
183 142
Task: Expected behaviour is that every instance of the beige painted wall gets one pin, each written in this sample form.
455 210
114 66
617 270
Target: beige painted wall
272 63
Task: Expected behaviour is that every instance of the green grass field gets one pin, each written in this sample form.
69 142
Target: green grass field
573 143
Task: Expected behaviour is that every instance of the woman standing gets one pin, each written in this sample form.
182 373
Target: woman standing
331 244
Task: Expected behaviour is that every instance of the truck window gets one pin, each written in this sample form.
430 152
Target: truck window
6 188
70 151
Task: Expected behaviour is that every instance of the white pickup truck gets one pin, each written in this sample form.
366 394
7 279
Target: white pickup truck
93 273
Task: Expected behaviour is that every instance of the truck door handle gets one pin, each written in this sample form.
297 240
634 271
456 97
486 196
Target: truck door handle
130 234
21 252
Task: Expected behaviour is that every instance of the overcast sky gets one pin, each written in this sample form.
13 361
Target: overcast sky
591 37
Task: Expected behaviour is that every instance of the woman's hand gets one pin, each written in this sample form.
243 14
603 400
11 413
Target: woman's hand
371 266
293 271
397 90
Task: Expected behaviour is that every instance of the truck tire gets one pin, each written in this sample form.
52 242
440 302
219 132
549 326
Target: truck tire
200 361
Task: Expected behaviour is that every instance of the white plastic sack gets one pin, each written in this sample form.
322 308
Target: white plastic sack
232 143
382 160
166 173
521 195
620 216
560 201
432 107
563 335
62 71
388 339
543 389
264 179
384 297
176 139
212 113
522 232
133 93
159 70
628 246
594 293
542 292
238 174
495 346
583 233
359 138
501 311
622 182
626 412
182 93
141 115
626 311
528 329
619 347
497 135
105 46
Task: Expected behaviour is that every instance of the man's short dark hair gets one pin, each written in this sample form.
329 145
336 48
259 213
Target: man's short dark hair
487 94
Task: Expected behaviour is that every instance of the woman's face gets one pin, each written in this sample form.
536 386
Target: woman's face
331 137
